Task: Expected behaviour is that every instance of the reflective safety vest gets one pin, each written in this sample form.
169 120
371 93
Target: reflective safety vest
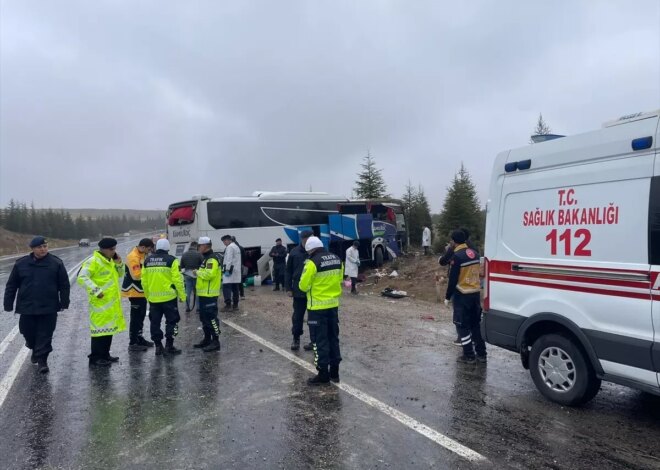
132 286
162 280
209 277
321 279
99 274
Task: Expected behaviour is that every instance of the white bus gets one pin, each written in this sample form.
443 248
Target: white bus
256 221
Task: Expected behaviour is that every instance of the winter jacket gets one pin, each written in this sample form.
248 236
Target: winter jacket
99 274
352 262
278 253
464 272
208 276
161 279
42 286
191 259
231 272
321 280
294 268
132 285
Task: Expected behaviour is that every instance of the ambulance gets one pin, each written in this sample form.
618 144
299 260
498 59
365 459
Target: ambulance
572 259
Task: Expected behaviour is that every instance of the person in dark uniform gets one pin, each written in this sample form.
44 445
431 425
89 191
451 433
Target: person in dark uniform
42 284
463 290
278 253
293 271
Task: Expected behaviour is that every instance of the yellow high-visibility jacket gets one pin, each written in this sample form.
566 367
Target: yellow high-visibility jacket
321 280
162 280
209 277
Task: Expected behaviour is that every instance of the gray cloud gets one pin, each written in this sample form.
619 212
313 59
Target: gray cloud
139 104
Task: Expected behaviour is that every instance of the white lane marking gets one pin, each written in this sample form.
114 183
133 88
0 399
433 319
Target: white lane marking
8 339
435 436
15 368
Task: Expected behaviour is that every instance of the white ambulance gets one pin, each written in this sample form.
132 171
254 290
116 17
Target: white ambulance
573 259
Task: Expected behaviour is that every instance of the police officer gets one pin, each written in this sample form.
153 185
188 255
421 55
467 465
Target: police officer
132 290
321 280
294 269
100 275
208 290
163 283
42 284
463 290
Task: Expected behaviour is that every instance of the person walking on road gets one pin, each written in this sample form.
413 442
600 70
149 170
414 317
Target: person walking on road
426 240
463 288
292 273
100 275
132 289
278 253
42 284
190 261
208 290
163 284
231 273
321 280
353 265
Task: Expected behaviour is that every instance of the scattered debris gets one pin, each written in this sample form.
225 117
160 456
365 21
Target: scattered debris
395 294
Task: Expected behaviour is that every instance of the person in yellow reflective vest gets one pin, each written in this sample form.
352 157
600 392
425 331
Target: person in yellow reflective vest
208 289
162 283
132 290
321 279
100 275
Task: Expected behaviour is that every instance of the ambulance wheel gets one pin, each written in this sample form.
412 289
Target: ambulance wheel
561 370
378 257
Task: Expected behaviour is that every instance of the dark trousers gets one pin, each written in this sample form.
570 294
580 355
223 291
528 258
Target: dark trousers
38 332
298 318
230 292
278 274
326 337
170 311
138 313
100 347
467 318
208 315
354 281
241 287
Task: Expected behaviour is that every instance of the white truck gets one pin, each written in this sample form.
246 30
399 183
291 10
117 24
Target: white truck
572 259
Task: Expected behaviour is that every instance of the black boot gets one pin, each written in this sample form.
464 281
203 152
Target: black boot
308 346
214 345
136 347
42 361
160 351
143 342
99 362
322 378
33 358
169 347
203 343
334 373
295 345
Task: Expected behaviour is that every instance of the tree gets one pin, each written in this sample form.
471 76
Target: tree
370 183
461 209
417 212
542 128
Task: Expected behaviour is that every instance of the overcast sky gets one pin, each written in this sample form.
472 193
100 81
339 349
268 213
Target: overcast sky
125 104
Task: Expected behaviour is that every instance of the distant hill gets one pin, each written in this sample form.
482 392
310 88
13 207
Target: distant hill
136 213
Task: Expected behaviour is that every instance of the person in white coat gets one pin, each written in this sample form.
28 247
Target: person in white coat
426 239
231 274
352 265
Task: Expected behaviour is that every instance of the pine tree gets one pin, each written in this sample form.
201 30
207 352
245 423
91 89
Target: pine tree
542 128
461 209
370 183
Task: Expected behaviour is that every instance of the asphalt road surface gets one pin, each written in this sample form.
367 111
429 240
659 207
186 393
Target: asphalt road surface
403 402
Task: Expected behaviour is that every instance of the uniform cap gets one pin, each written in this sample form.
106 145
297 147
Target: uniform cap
37 241
163 244
313 243
105 243
204 241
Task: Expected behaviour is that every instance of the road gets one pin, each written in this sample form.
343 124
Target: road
403 402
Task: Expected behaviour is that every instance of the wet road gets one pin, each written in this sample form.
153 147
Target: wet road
248 406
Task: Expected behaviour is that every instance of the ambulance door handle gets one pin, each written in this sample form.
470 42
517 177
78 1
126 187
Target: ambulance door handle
516 267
